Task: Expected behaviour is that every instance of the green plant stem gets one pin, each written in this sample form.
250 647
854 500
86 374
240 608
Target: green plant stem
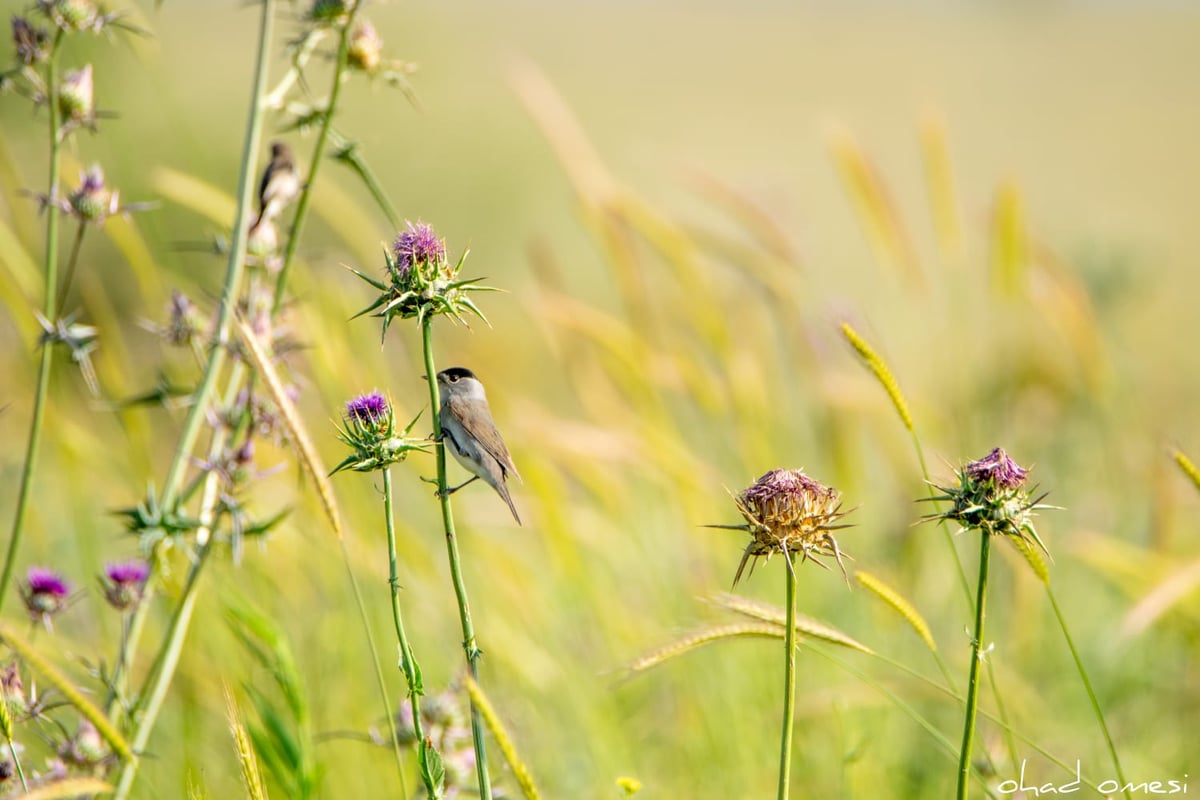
1001 708
148 706
339 68
789 682
460 589
1087 684
380 682
234 271
407 663
72 261
964 758
50 311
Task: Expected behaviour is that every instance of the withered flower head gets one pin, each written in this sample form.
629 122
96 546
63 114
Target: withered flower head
786 511
991 497
30 43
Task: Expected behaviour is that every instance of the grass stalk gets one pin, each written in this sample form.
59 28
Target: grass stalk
234 271
412 672
789 682
968 738
339 68
470 648
150 704
50 311
1087 684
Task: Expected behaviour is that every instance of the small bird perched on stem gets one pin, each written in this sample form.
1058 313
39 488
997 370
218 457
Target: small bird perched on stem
280 184
471 434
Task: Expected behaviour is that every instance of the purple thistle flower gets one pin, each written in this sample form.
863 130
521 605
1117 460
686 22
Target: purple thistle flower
997 467
124 583
367 408
45 593
417 245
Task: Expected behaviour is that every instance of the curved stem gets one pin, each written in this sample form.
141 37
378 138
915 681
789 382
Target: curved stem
964 758
789 682
1087 684
388 711
50 312
412 672
339 68
72 260
163 672
460 589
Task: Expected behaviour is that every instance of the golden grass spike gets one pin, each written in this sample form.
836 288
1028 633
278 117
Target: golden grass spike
72 695
702 637
881 372
587 173
897 601
247 760
1033 555
1010 249
939 181
875 210
1188 468
1168 593
216 205
500 734
71 787
775 615
304 446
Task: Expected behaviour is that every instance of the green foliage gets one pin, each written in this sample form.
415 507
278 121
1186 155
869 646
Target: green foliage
283 736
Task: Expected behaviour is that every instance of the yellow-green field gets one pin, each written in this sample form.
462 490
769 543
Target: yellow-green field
682 203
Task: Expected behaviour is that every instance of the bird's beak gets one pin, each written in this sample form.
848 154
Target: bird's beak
424 377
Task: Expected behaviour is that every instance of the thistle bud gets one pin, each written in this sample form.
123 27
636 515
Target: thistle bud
86 748
45 594
365 52
92 201
370 431
76 96
72 15
329 12
124 583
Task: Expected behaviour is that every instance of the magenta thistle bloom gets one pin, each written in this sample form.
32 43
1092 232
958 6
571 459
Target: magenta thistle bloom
367 408
991 497
998 468
124 583
417 245
45 593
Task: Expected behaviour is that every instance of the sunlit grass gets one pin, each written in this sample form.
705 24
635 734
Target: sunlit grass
664 337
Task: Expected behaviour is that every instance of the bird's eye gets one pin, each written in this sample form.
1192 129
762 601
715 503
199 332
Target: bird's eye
454 379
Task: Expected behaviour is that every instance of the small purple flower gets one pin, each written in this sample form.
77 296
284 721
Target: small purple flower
92 201
45 593
367 408
997 467
124 583
417 245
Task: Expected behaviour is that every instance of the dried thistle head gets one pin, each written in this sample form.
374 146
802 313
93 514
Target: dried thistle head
32 44
991 497
786 511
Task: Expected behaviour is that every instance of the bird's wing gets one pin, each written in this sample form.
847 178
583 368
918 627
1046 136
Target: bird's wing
481 426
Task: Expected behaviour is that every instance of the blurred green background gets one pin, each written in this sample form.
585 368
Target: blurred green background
755 176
